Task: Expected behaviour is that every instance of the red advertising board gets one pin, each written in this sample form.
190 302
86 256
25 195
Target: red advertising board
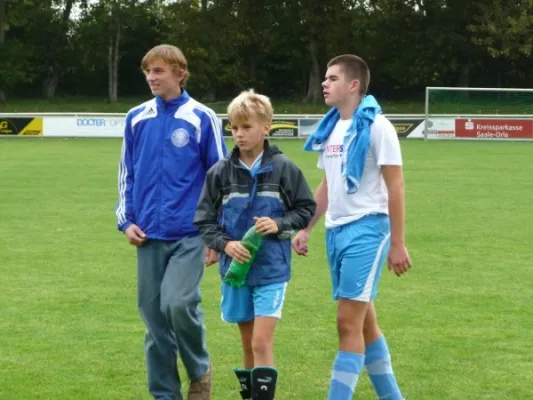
494 128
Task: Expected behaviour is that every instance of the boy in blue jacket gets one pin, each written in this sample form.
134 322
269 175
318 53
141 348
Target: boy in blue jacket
169 144
255 184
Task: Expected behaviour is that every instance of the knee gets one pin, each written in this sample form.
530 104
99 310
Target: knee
177 307
261 344
348 326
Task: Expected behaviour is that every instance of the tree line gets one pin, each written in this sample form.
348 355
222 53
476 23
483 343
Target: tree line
93 47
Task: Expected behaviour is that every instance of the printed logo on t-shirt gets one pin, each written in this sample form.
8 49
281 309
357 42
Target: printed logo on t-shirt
334 150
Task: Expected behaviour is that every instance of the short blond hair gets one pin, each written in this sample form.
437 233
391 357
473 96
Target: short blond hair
170 55
249 104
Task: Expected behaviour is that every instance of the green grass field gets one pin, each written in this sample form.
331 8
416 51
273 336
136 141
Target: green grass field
441 103
101 105
458 325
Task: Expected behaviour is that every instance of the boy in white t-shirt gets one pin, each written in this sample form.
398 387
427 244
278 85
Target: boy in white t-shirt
362 195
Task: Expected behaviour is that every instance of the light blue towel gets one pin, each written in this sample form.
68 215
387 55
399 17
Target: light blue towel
356 142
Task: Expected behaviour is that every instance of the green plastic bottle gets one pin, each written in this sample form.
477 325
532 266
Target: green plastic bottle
236 273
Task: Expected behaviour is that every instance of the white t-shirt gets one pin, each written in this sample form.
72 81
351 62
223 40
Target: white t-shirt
371 197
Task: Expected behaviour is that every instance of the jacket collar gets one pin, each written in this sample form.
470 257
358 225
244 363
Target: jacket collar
173 104
268 152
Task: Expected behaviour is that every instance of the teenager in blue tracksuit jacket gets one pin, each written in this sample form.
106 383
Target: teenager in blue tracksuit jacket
169 144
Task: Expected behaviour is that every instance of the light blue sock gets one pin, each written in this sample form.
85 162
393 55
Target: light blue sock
346 370
379 369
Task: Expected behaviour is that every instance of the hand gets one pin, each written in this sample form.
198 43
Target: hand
237 251
399 260
299 243
265 226
135 235
211 257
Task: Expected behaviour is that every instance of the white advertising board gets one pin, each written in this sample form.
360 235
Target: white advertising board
84 126
407 126
438 128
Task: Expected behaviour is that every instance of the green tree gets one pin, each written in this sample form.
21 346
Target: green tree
111 36
56 18
18 63
504 28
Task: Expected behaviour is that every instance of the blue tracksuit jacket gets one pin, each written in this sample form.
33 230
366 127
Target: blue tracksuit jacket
168 148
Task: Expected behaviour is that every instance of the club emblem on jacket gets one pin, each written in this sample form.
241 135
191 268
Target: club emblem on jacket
180 137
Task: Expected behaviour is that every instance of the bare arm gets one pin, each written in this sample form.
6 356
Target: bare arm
321 199
393 176
398 257
299 243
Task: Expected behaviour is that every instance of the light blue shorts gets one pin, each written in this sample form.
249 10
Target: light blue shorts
245 303
356 253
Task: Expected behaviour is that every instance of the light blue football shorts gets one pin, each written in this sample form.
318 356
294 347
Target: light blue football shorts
245 303
356 253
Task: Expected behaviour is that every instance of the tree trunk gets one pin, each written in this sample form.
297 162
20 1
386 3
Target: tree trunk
314 92
252 67
113 53
464 80
3 20
464 75
115 64
50 83
211 95
52 78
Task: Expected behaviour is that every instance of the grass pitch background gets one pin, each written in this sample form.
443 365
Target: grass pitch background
458 325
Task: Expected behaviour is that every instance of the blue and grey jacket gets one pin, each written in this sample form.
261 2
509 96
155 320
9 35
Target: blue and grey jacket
168 148
231 198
